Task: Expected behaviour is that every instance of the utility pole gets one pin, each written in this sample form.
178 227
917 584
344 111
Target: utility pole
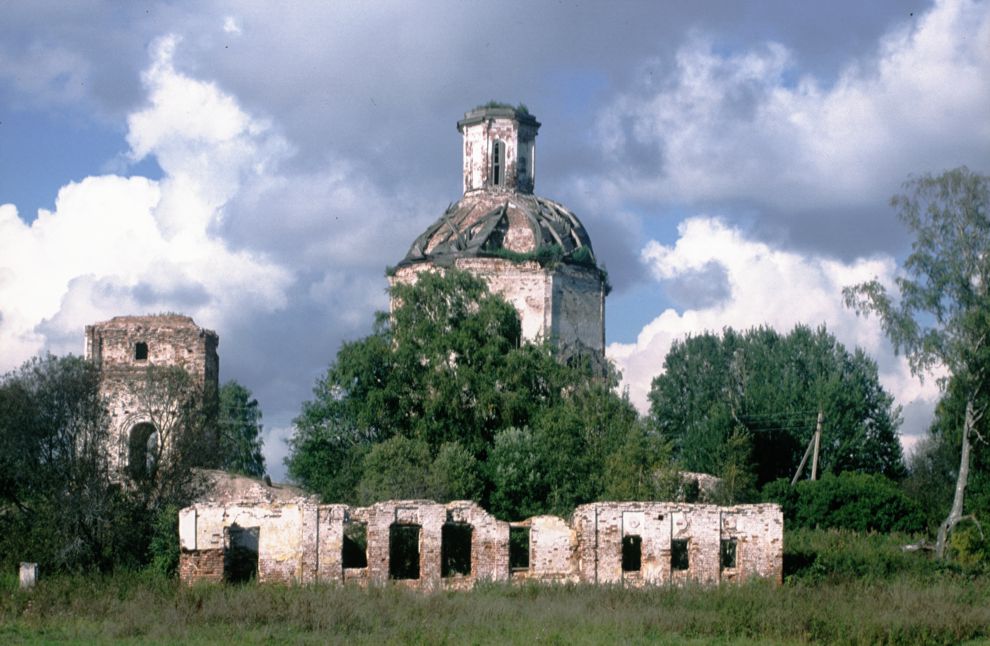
813 446
818 441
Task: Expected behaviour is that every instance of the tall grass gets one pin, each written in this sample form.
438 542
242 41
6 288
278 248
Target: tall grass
912 603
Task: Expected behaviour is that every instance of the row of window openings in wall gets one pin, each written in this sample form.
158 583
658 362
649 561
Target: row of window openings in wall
241 557
455 550
403 540
632 554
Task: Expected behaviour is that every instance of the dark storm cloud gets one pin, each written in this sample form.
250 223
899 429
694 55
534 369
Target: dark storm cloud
367 96
701 288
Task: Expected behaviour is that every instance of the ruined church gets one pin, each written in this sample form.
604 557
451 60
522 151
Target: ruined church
532 251
123 349
538 256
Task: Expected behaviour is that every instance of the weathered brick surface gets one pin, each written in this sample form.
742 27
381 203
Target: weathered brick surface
302 542
758 530
516 134
201 565
489 540
552 546
169 340
563 301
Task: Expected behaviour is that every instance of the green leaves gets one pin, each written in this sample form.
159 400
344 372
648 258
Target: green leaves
723 398
240 431
939 314
432 403
856 501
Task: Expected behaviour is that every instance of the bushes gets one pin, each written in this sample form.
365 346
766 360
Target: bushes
855 501
163 550
836 555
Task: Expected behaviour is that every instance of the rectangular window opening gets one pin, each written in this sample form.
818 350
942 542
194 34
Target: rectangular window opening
403 551
140 351
497 163
354 552
632 553
519 548
679 554
728 553
455 549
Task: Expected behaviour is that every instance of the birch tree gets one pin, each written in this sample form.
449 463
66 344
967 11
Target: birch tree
938 312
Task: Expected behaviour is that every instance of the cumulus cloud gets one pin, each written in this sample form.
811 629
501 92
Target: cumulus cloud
764 285
748 126
131 244
285 264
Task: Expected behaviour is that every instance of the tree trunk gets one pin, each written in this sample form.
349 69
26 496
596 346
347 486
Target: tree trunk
956 513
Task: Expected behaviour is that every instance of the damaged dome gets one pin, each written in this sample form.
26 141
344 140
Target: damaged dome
510 225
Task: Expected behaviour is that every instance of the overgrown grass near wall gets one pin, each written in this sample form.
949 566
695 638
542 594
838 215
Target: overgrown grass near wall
896 600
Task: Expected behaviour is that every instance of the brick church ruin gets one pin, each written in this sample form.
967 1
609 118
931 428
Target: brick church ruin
429 545
532 251
124 349
535 253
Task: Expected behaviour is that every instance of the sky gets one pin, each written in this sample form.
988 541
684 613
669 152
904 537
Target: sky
257 166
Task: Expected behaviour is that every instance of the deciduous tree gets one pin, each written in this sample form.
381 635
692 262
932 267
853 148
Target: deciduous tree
240 438
449 373
938 312
744 404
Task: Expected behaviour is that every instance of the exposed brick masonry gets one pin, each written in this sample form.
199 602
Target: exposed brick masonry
631 544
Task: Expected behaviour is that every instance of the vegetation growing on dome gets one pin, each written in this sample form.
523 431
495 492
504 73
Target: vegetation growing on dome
582 256
549 256
493 104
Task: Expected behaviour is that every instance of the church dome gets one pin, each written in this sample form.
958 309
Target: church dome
516 226
498 215
532 251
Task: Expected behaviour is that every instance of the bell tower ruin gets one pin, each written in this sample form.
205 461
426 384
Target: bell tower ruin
125 349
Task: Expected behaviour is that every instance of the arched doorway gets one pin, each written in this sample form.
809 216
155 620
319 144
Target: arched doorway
142 450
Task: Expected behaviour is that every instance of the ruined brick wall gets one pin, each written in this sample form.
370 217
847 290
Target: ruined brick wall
661 529
201 566
489 540
566 303
577 315
124 347
758 531
525 285
552 547
630 544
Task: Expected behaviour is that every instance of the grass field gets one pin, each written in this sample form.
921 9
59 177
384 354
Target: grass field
840 588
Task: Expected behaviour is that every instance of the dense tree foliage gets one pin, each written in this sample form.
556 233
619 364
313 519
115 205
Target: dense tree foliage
939 313
62 504
856 501
480 413
58 505
744 406
239 430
